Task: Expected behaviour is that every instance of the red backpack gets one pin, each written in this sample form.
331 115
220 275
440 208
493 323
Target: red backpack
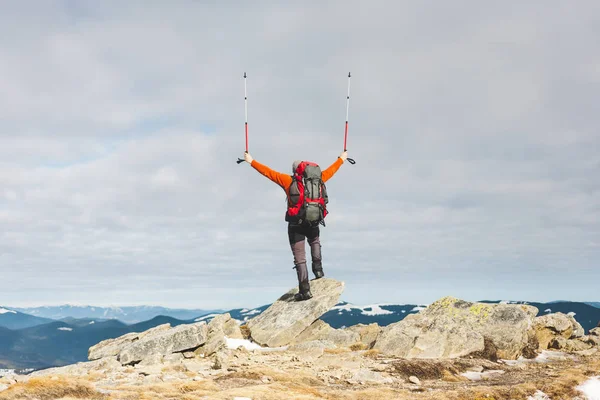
307 203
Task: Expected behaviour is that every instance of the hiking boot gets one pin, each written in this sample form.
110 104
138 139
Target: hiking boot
303 296
303 291
317 269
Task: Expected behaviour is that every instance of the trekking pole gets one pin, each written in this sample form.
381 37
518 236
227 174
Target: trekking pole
351 161
241 160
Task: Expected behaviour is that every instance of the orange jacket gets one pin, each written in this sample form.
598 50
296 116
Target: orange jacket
285 181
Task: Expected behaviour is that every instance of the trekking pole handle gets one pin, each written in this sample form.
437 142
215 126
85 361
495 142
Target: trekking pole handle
240 160
350 160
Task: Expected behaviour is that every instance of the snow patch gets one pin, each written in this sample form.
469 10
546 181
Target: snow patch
572 314
591 388
251 312
374 309
539 395
92 322
235 343
64 328
205 317
418 308
477 376
5 311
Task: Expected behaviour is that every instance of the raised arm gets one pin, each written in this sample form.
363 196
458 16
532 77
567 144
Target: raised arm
282 180
333 168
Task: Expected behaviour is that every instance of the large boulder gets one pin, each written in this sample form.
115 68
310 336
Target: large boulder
551 326
451 328
112 347
219 328
368 333
321 330
177 339
287 318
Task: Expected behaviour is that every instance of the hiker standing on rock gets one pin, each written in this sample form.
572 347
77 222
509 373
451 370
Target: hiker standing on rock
306 200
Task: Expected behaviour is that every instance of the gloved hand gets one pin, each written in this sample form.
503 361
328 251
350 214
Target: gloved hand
248 157
344 155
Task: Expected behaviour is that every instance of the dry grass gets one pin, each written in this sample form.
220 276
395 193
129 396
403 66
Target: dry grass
371 353
48 388
245 331
337 350
358 347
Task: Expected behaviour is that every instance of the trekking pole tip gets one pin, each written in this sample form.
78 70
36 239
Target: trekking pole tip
244 74
348 74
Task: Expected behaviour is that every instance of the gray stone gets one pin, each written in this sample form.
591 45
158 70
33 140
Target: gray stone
219 328
286 318
451 328
313 344
321 330
180 338
364 375
173 358
152 359
368 333
81 368
112 347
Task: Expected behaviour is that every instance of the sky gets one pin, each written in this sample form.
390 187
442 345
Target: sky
474 126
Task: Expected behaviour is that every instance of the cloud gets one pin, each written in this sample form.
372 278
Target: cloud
473 126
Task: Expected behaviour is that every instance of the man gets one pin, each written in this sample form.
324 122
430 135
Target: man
298 233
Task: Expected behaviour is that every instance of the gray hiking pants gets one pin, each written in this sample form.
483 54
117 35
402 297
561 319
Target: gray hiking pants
297 234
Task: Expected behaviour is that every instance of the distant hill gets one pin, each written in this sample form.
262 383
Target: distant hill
594 304
60 343
129 314
12 319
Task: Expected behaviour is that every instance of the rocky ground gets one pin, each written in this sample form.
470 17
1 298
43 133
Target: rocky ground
451 350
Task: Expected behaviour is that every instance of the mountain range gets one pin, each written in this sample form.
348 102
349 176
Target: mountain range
126 314
35 342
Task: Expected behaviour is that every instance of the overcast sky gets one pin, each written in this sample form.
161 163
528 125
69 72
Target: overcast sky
474 126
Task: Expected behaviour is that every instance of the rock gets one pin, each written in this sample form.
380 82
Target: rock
112 347
218 361
321 330
313 344
549 326
415 380
149 369
364 375
180 338
557 343
595 331
3 387
592 340
81 368
451 328
174 358
578 330
587 353
189 354
368 333
286 318
220 327
152 359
